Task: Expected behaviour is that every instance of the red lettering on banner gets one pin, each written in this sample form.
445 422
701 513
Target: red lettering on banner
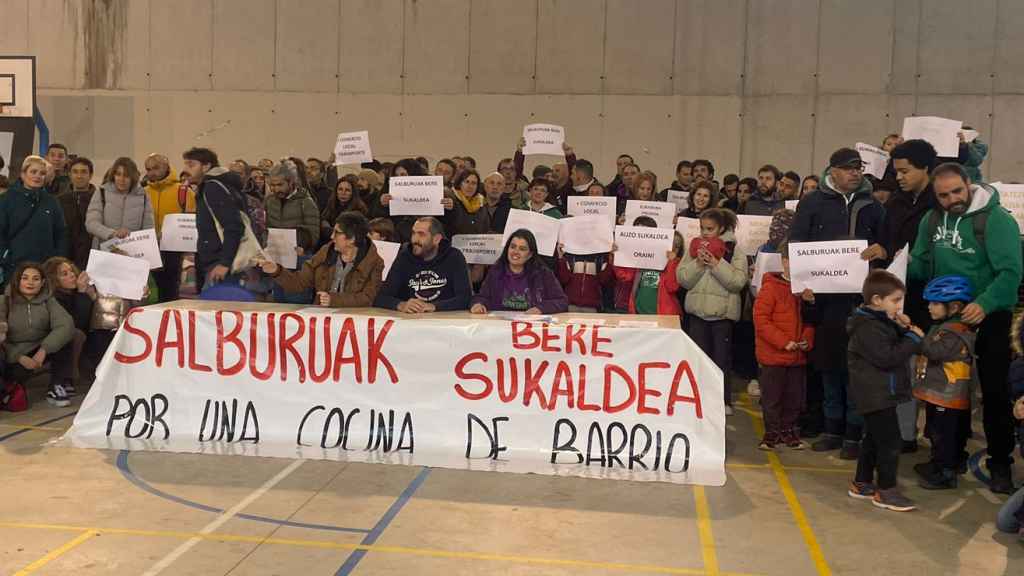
375 354
577 337
547 337
683 369
581 400
524 337
147 343
162 343
562 385
508 395
192 364
608 407
347 339
532 386
314 374
595 341
230 338
288 345
522 330
641 405
460 372
254 346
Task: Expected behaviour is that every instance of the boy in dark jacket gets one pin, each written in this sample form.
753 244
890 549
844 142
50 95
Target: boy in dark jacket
881 342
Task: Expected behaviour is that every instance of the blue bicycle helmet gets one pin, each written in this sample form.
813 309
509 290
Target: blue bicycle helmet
949 288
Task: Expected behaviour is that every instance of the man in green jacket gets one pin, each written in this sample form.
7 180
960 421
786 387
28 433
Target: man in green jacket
970 234
291 207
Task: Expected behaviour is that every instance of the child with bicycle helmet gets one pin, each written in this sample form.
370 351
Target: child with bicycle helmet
943 378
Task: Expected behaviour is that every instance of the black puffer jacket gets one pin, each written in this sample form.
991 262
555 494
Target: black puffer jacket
879 359
220 197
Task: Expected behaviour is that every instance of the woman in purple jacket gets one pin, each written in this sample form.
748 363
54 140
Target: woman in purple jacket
520 281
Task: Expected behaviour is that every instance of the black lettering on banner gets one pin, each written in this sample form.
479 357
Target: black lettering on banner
595 432
302 424
635 458
613 453
224 423
494 444
568 445
153 409
686 458
606 448
336 430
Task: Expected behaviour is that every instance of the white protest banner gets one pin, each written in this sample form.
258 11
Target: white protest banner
586 234
828 267
479 248
642 247
875 159
680 198
1011 197
361 387
117 275
764 263
898 268
543 139
688 228
179 233
663 212
544 228
792 204
941 133
388 252
416 196
281 243
752 232
592 206
138 244
352 148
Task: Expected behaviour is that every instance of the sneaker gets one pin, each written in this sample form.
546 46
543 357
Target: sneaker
754 388
861 490
728 410
828 442
939 480
792 440
69 388
908 447
810 432
891 499
769 442
57 397
926 469
850 450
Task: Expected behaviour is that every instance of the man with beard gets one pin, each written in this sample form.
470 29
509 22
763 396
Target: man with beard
765 200
969 234
428 275
75 203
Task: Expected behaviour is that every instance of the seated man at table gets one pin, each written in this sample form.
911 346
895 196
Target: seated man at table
428 275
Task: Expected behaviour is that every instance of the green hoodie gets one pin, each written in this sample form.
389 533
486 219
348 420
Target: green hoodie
994 269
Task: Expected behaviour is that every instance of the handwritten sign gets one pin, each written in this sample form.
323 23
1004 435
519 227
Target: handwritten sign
139 244
752 232
642 247
592 206
543 139
942 133
680 198
792 204
179 233
479 248
586 234
1011 197
388 252
764 263
416 196
875 159
544 228
281 243
663 212
117 275
352 148
828 267
689 228
898 268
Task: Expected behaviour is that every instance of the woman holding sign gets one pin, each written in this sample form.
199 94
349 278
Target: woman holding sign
520 281
121 207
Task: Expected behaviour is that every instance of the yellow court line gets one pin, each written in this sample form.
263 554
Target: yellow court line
813 548
54 554
427 552
707 537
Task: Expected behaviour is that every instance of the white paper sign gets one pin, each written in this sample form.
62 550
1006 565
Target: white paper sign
942 133
544 228
388 252
689 228
179 233
752 232
586 234
593 206
680 198
352 148
970 135
479 248
898 268
662 212
1011 197
828 267
792 204
6 148
642 247
281 243
875 159
138 244
764 263
416 196
543 139
117 275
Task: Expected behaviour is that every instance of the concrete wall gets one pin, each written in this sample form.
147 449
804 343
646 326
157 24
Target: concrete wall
742 82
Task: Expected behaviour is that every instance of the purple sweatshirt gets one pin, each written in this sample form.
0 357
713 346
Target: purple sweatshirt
536 286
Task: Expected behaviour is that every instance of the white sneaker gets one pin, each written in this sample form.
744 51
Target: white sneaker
728 410
57 397
754 388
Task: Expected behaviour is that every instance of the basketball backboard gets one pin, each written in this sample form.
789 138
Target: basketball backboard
17 86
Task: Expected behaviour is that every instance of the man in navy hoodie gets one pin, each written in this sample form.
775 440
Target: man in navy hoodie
428 275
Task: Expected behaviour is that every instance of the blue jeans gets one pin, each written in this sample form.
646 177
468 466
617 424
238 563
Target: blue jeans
837 405
1010 515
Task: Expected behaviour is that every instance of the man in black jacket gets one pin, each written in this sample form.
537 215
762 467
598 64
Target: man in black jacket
219 196
428 275
842 208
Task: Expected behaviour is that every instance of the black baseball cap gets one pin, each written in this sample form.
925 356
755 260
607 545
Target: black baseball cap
845 158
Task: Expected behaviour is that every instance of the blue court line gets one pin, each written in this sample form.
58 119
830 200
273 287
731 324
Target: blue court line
43 423
974 463
126 471
403 498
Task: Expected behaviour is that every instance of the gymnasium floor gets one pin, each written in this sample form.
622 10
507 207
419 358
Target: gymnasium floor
85 512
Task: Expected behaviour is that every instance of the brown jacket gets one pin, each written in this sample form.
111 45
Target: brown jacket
361 284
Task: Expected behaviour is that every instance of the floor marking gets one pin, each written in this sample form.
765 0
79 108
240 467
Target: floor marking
707 536
425 552
952 508
223 518
43 423
45 428
813 548
54 554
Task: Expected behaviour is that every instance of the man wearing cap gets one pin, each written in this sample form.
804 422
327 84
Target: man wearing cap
840 209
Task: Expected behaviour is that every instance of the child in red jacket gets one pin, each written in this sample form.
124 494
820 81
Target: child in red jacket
650 291
783 340
582 277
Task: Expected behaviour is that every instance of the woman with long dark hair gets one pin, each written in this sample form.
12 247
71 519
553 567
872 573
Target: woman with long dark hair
344 199
520 281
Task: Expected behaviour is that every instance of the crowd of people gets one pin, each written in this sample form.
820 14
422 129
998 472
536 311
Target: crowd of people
846 370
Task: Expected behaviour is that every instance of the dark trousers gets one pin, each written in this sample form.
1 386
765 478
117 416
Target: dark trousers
168 278
993 350
67 361
782 396
880 449
841 416
947 434
714 337
813 417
